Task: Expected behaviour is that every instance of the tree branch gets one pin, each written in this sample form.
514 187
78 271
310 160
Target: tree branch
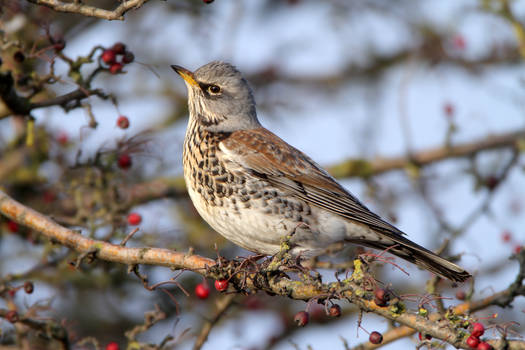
63 100
21 105
276 283
364 168
91 11
47 327
104 250
223 304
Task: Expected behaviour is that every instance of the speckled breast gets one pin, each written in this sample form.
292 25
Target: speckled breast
246 210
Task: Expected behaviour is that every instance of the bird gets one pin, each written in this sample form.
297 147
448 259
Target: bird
255 189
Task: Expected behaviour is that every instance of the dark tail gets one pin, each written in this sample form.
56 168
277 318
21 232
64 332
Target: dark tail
416 254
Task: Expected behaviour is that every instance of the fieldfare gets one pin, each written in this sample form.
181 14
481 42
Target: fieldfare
255 189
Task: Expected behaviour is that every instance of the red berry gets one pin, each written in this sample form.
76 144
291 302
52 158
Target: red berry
128 57
123 122
108 56
375 338
29 287
484 346
119 48
59 45
448 108
491 182
301 318
253 303
112 346
316 312
334 311
517 249
62 138
49 196
12 226
473 341
12 316
427 336
134 219
221 285
381 297
459 42
124 161
506 236
477 329
461 295
202 291
115 68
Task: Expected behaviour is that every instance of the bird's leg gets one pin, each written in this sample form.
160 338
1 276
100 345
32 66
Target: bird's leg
283 257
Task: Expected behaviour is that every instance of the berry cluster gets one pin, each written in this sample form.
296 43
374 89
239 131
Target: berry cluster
116 57
28 287
302 318
507 237
473 340
202 291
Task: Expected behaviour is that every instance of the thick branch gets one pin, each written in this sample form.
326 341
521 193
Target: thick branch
104 250
91 11
279 283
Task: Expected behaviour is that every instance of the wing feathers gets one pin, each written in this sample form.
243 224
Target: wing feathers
268 156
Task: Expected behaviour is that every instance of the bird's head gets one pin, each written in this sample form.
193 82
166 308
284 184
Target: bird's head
219 98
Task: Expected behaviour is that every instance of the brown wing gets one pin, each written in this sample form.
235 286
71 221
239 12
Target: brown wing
268 157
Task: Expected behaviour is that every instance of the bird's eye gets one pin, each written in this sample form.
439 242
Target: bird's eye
214 89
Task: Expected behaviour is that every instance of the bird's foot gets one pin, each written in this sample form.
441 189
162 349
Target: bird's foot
283 257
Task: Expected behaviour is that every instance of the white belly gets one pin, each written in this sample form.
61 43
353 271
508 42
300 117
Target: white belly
256 229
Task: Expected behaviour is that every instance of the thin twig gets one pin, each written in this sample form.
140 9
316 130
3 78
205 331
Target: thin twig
91 11
223 304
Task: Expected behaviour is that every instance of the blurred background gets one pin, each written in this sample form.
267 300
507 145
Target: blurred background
340 80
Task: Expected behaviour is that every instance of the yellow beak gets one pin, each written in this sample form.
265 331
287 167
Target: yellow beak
185 74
